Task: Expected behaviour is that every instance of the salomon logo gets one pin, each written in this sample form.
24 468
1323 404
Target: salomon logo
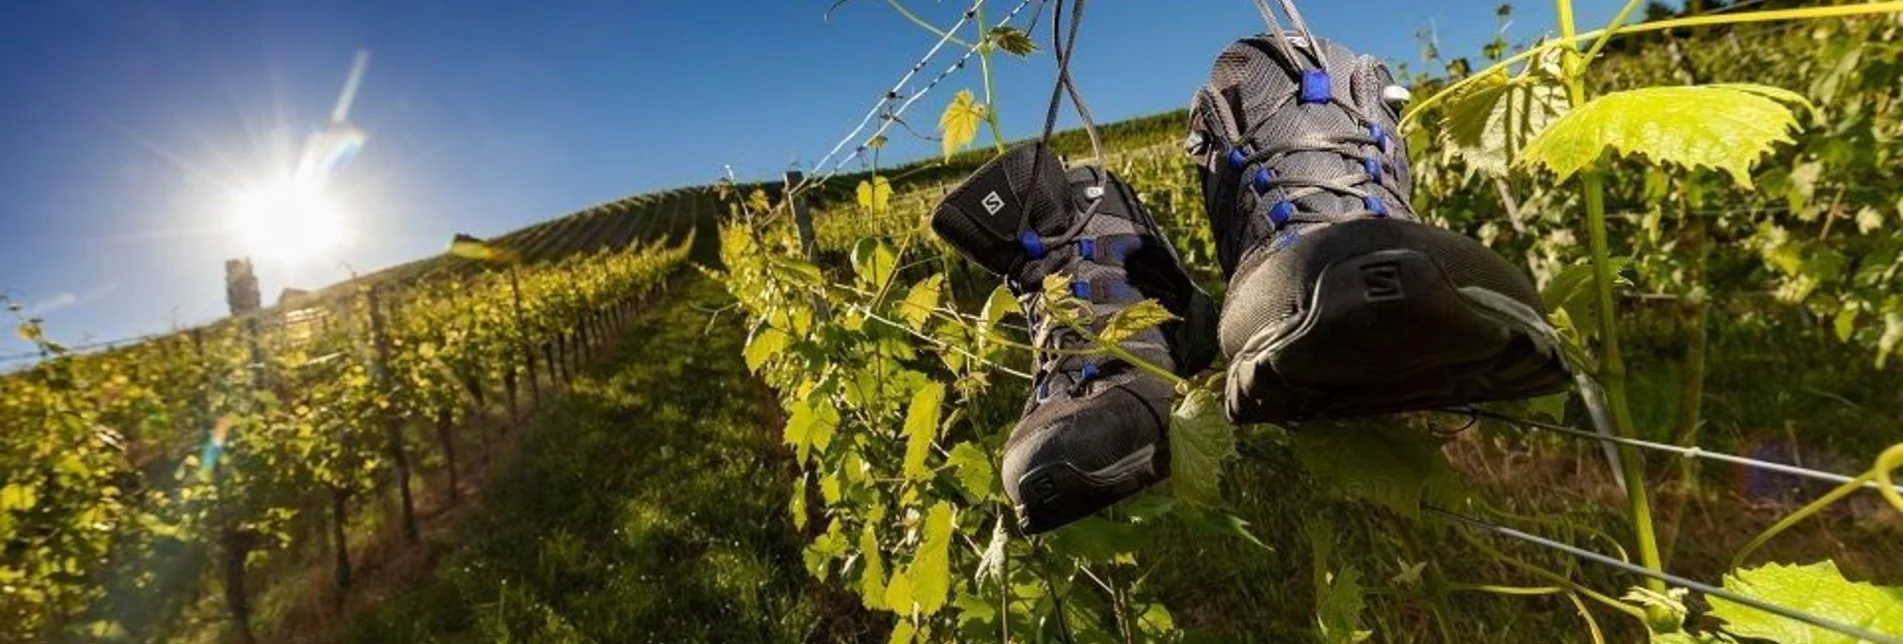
993 203
1382 281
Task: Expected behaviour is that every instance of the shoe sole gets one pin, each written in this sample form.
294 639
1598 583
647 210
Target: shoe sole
1056 494
1389 332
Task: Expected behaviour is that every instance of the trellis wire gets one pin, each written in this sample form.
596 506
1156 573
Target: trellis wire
890 94
1687 452
1682 582
823 173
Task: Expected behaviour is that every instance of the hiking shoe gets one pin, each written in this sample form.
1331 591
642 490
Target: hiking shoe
1095 428
1340 301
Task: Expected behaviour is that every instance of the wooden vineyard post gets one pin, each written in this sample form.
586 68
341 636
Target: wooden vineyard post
522 335
802 220
392 427
243 300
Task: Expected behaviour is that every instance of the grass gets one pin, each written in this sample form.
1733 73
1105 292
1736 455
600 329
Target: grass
646 505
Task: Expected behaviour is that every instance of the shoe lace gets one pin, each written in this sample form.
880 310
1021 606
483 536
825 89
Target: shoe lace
1315 89
1053 337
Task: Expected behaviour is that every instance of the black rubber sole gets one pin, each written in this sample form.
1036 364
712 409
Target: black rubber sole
1056 494
1389 332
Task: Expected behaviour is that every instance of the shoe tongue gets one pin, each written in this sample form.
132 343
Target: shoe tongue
999 216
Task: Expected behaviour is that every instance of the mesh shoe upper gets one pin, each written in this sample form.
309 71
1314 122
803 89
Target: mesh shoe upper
1292 138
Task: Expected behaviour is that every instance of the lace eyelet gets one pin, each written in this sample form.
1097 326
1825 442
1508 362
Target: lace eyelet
1280 213
1315 87
1033 245
1261 180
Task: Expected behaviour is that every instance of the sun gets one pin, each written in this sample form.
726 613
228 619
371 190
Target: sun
287 221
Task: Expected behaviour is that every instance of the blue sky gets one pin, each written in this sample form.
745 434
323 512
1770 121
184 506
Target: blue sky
124 124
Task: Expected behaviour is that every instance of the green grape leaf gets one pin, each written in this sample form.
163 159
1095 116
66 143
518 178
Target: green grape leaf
875 195
17 497
1726 127
794 270
1818 589
811 427
1001 303
916 309
1338 596
1097 539
1132 320
823 550
921 427
1339 606
797 506
1012 40
1491 121
1379 460
958 126
1552 406
1572 291
758 201
1200 440
930 571
1216 523
872 585
899 597
765 343
903 632
975 474
1845 323
1892 337
873 261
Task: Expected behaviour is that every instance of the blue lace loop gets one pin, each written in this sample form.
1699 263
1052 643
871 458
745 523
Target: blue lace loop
1280 213
1261 180
1373 166
1380 136
1033 245
1088 248
1081 289
1315 87
1238 158
1376 205
1090 371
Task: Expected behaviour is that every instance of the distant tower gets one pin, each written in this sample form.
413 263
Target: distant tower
241 287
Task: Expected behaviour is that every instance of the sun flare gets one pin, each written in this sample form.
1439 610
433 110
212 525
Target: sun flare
287 221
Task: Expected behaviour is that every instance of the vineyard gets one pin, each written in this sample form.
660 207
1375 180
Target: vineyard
134 474
775 411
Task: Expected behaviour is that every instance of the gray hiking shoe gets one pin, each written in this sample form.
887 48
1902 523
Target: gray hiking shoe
1340 301
1095 428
